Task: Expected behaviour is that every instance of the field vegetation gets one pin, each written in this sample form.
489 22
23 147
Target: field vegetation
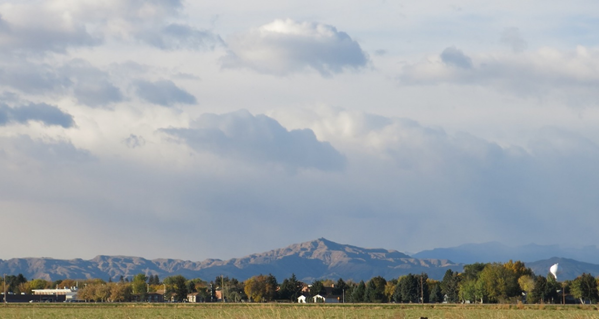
273 310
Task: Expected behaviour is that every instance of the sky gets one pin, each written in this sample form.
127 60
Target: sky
217 129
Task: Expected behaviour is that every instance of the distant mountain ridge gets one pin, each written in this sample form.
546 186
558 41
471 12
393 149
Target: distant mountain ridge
569 268
496 252
317 259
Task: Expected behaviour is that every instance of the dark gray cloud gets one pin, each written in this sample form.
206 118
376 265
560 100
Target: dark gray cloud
34 78
35 37
241 135
47 114
163 92
287 46
91 86
176 36
50 152
454 56
9 97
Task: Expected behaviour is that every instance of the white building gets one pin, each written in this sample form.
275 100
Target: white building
69 293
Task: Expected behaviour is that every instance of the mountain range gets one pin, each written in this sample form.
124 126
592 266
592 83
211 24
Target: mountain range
317 259
320 258
497 252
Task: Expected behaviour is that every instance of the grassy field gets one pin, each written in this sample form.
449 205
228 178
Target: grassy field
398 311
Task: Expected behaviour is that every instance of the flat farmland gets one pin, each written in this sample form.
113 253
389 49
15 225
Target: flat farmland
116 311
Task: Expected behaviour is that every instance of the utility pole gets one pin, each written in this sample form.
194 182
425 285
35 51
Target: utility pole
5 301
222 287
421 288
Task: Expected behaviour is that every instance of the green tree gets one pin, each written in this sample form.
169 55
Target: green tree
422 287
87 292
13 283
375 290
407 289
120 292
191 286
493 279
390 289
471 271
359 292
102 292
436 296
176 287
552 287
271 288
339 287
538 293
36 284
154 280
291 288
450 285
471 286
370 292
234 289
255 288
545 290
584 287
500 281
140 286
527 284
317 288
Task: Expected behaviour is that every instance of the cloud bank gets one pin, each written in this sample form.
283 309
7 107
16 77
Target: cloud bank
258 138
546 72
472 123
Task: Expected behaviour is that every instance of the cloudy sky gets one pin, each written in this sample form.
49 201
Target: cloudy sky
216 129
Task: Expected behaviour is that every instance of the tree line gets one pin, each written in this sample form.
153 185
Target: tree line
478 283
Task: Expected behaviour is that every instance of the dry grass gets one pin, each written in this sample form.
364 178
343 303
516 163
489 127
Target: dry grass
243 311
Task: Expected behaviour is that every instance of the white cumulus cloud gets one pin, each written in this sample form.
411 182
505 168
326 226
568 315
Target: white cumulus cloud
287 46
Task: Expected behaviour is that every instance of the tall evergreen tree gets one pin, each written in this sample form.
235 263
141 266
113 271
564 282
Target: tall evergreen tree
375 290
291 288
436 296
359 292
177 286
317 288
370 292
340 287
450 285
271 288
406 290
545 290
